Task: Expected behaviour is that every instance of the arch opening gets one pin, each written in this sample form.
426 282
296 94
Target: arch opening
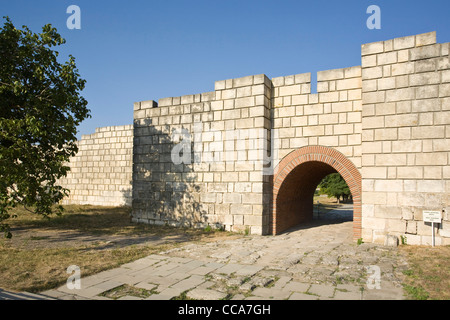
333 200
295 182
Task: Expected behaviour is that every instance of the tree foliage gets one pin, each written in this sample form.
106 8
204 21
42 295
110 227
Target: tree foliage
40 108
334 185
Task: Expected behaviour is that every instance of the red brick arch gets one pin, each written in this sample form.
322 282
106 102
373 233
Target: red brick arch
296 177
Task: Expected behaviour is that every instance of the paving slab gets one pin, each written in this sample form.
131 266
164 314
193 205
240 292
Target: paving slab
347 295
130 298
108 285
281 282
302 296
205 294
296 286
229 268
201 271
271 293
189 283
326 291
166 294
146 285
248 270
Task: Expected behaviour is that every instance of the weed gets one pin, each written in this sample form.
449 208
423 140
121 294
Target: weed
182 296
403 240
416 293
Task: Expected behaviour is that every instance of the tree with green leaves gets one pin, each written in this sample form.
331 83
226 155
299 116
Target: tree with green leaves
334 185
40 109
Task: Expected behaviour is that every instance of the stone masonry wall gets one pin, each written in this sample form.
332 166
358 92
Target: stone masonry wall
331 117
221 181
101 172
405 138
208 159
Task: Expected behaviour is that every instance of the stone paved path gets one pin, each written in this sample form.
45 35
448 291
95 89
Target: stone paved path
315 261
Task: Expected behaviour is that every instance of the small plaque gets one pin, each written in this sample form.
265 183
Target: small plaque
432 216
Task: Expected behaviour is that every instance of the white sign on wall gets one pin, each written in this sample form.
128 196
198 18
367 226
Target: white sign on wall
432 216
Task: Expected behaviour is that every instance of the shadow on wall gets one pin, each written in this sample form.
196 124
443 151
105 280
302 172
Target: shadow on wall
164 192
127 196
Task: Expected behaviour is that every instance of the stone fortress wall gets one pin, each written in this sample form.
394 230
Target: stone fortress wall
101 172
405 137
241 156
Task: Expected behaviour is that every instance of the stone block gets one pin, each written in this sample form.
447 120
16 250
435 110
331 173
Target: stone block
148 104
208 197
372 48
425 39
352 72
322 86
240 209
373 97
244 102
278 81
330 74
331 141
403 120
425 105
374 197
290 90
444 90
425 52
391 240
386 134
400 94
242 82
372 73
390 159
165 102
325 97
402 68
251 198
313 131
388 185
387 58
369 61
431 159
404 42
386 83
347 84
341 129
425 65
427 132
247 91
427 91
332 118
388 212
187 99
220 85
431 186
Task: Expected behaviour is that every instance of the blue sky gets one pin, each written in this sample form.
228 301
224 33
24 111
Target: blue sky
146 50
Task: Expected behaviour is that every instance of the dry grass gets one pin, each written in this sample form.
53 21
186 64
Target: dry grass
428 276
93 238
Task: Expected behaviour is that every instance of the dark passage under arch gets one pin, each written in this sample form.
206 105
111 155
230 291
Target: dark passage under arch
296 179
